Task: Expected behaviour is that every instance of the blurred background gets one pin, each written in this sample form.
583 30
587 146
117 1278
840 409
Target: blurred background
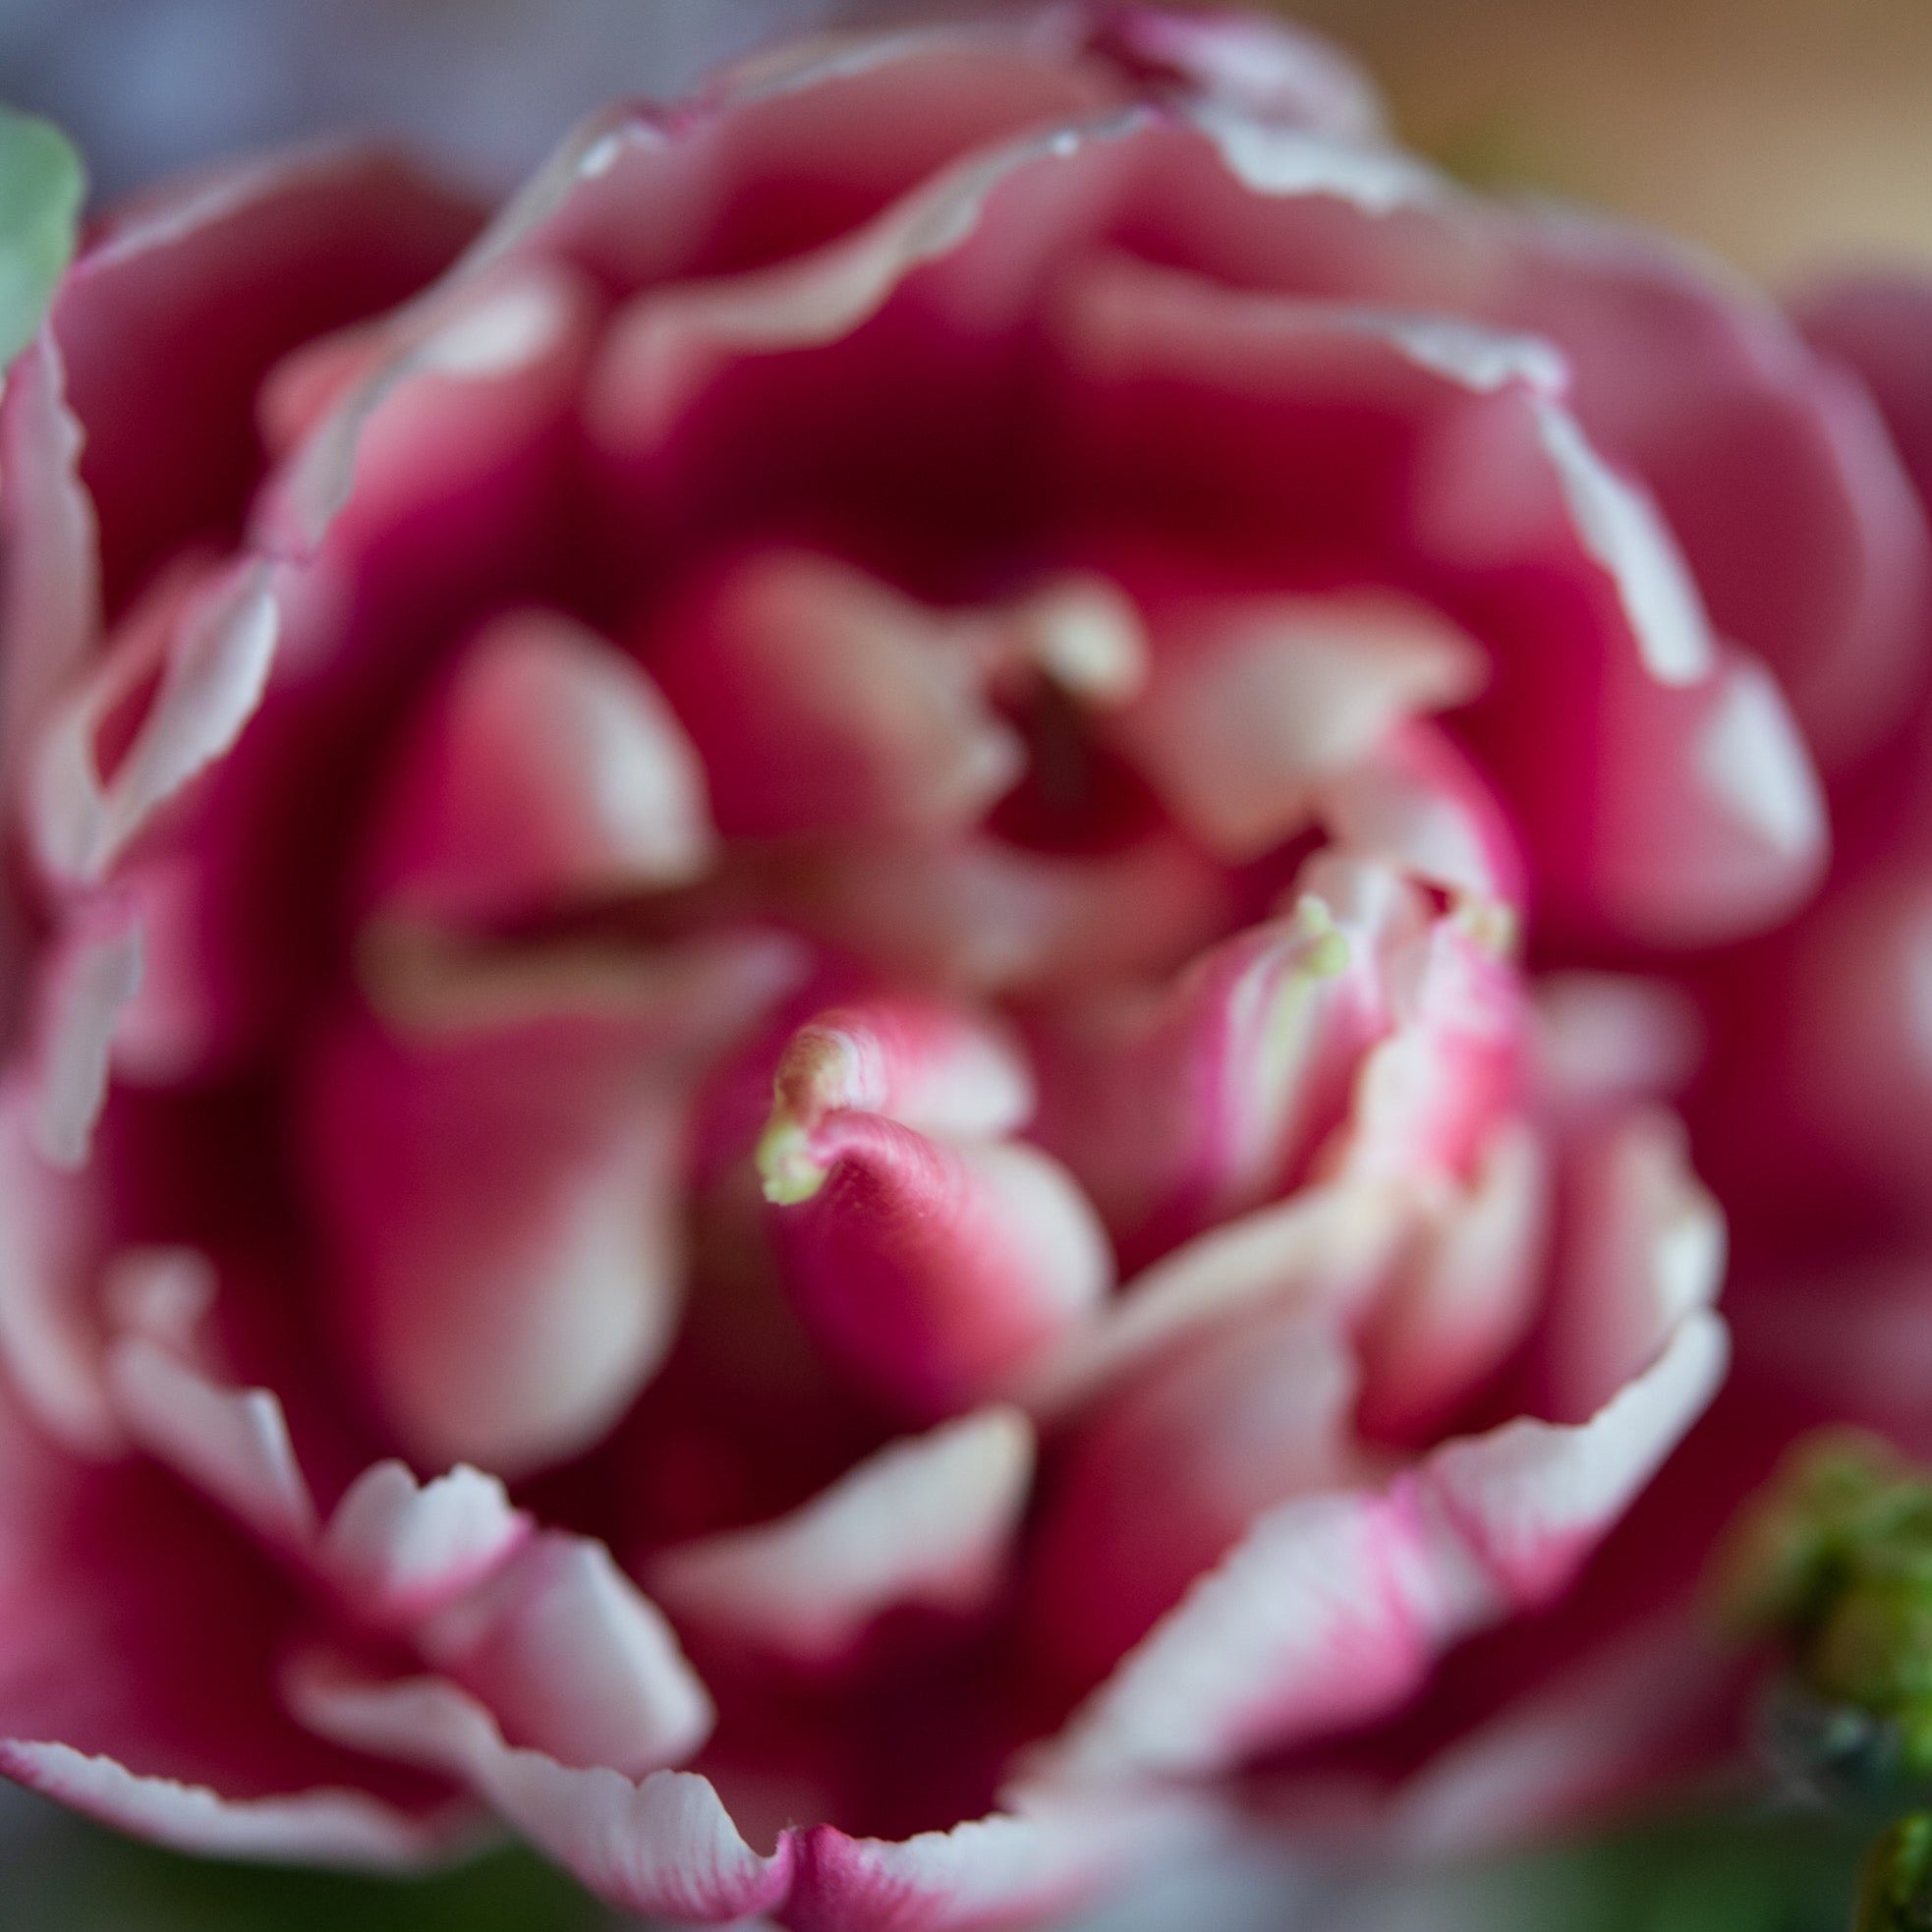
1792 136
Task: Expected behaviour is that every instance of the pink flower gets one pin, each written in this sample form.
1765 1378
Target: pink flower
774 1073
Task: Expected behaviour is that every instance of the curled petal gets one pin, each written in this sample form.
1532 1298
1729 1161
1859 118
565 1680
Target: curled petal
398 1550
662 1845
927 1521
325 1828
572 1660
549 770
1601 1040
824 702
936 1270
1333 1609
1255 700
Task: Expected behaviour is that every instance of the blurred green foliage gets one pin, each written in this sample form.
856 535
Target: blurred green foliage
41 185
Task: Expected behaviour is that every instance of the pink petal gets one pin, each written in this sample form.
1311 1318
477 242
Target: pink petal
1418 804
1254 701
1180 1107
1175 377
1774 472
232 1443
670 342
938 1269
322 1827
1601 1040
397 1551
186 297
1332 1610
209 639
477 369
1325 1249
1165 1477
49 589
1465 1297
822 700
1642 1252
662 1846
1016 1870
137 1634
549 770
50 1232
1731 829
930 1521
572 1660
89 977
502 1209
936 1068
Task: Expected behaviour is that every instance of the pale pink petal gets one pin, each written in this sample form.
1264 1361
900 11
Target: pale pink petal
1643 1250
1016 1870
188 293
978 915
927 1521
1532 1498
548 770
1166 1476
1729 831
823 701
1451 1065
663 1846
323 1828
1465 1297
670 342
210 644
49 581
1774 471
87 978
1327 1248
1254 701
50 1236
936 1270
479 367
1419 804
232 1443
1332 1610
502 1208
572 1660
397 1550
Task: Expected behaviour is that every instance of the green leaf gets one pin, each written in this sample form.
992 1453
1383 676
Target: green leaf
41 185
